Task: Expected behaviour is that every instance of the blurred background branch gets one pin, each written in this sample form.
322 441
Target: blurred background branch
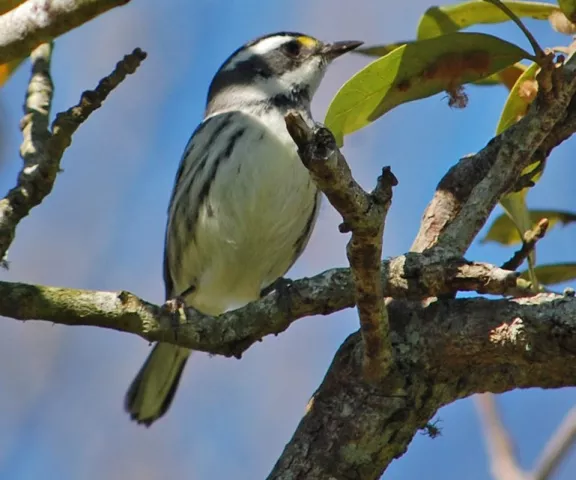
500 447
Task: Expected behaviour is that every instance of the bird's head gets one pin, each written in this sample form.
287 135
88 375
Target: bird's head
278 69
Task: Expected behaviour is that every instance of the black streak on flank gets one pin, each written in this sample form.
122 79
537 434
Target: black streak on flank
186 164
232 142
225 121
301 241
187 151
185 203
209 179
225 156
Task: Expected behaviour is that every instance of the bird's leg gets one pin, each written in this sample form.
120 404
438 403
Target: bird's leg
281 285
176 308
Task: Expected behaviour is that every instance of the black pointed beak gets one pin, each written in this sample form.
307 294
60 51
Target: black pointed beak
333 50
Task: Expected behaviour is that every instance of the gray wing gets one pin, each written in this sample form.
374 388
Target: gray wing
191 186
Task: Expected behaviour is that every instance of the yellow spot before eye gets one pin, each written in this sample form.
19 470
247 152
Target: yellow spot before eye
307 42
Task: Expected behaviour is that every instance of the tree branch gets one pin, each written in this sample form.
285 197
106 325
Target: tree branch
37 21
66 123
412 275
494 353
531 237
470 190
364 215
444 351
41 149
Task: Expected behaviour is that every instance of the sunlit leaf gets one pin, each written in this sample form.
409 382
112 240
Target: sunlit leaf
568 8
553 273
504 231
451 18
506 77
415 71
516 106
521 96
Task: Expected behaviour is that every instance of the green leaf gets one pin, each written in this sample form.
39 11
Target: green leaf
451 18
417 70
521 96
568 8
553 273
504 231
507 77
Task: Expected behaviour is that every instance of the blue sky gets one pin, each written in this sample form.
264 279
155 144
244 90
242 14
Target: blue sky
102 228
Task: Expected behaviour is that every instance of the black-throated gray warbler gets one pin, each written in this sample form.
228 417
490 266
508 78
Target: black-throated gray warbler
243 205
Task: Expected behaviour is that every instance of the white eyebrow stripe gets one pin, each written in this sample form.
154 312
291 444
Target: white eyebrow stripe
262 47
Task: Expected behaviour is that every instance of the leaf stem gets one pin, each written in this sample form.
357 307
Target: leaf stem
537 48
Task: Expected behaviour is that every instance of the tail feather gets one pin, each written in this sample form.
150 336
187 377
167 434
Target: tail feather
153 389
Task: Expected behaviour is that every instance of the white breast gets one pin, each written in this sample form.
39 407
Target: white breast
258 208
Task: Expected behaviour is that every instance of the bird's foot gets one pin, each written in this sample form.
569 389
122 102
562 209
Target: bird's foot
176 309
281 285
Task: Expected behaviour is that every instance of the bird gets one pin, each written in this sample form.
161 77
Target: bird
243 205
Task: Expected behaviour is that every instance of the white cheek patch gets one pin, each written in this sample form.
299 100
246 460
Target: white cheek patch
309 73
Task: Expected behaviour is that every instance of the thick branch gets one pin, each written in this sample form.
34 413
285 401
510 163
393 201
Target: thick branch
471 189
364 215
37 21
413 276
444 351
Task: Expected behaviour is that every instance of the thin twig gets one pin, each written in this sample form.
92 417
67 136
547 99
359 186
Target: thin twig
364 215
36 169
531 237
67 122
41 149
498 443
556 448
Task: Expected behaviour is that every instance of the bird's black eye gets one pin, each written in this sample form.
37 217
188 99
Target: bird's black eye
293 48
